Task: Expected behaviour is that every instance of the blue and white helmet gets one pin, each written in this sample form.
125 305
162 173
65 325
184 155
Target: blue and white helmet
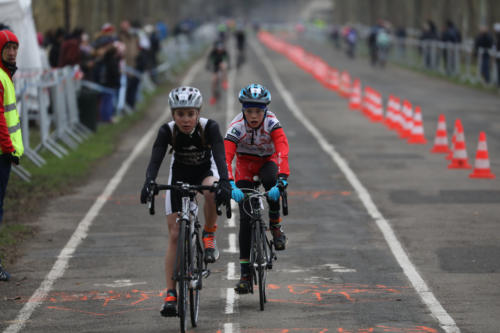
255 93
185 97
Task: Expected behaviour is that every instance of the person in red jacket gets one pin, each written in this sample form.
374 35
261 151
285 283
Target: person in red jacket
259 142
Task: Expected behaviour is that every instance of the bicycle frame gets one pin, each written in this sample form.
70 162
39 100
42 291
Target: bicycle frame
190 266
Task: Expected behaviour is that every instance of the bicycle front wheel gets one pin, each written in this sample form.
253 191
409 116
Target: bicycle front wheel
197 276
183 258
260 242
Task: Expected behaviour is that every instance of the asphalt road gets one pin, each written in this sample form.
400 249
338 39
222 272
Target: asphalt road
342 271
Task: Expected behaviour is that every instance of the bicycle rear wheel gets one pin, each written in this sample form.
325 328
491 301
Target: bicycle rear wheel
183 257
197 276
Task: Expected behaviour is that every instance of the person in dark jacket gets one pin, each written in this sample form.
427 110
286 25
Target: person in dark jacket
482 47
496 28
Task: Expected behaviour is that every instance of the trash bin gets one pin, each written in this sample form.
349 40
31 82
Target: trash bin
88 107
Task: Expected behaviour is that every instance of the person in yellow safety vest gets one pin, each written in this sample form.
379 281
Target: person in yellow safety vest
11 142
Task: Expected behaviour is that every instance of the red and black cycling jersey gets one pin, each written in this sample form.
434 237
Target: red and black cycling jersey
267 142
195 149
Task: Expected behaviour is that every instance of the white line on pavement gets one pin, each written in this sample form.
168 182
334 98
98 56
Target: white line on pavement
231 297
425 293
81 231
232 244
231 271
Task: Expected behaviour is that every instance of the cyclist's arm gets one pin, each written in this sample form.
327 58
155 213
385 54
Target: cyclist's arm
281 150
230 148
159 150
215 139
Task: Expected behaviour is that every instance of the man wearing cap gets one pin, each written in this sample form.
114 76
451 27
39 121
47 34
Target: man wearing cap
11 142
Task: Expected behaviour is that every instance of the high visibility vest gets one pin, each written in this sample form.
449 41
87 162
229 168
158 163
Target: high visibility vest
11 114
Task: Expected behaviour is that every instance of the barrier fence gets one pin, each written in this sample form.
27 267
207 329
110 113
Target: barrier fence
454 60
47 101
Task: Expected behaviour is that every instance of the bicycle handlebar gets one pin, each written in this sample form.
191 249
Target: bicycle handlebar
283 195
185 189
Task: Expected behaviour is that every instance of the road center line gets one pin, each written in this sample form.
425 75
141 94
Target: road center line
425 293
81 231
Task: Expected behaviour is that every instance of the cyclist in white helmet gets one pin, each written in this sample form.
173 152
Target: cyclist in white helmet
198 158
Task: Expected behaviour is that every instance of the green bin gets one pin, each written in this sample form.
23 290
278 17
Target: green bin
88 108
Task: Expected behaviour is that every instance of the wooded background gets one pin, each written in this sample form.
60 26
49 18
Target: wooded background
91 14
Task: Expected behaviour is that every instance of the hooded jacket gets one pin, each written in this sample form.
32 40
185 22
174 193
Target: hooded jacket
6 143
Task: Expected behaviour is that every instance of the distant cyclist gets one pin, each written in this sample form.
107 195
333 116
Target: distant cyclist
198 158
218 63
240 36
259 142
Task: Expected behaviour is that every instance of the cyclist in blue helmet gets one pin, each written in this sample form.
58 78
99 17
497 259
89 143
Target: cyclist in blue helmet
259 142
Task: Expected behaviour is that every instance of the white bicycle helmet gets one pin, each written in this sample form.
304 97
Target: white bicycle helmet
185 97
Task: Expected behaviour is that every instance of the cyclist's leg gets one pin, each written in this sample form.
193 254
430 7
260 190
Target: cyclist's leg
172 206
269 175
209 209
244 284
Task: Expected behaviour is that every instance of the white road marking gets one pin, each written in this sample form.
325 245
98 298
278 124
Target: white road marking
445 320
119 284
231 271
231 298
231 223
232 244
231 328
81 231
336 268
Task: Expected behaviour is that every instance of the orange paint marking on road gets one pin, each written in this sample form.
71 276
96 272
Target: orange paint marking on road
273 286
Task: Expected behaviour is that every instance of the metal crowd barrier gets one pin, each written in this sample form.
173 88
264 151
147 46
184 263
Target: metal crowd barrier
47 100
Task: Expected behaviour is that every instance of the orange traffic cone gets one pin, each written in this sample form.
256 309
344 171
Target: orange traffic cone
482 163
417 131
441 139
345 84
459 160
406 120
355 98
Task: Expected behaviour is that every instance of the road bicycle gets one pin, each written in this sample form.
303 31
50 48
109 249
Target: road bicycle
190 268
262 252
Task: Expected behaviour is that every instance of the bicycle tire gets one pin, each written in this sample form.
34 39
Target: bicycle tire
183 255
260 260
197 276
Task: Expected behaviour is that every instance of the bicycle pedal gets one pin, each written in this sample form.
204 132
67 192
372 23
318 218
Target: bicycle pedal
205 273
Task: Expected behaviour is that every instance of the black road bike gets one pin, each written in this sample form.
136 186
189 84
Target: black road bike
262 252
190 268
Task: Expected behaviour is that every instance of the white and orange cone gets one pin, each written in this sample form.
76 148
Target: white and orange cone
417 135
441 138
482 163
355 98
459 160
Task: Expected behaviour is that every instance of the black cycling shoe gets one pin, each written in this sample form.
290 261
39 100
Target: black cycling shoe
169 308
279 237
244 285
211 251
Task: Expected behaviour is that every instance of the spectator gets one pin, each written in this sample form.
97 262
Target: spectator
87 61
482 47
496 28
451 35
70 53
372 42
383 43
107 70
11 141
55 47
351 37
401 39
128 36
429 35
